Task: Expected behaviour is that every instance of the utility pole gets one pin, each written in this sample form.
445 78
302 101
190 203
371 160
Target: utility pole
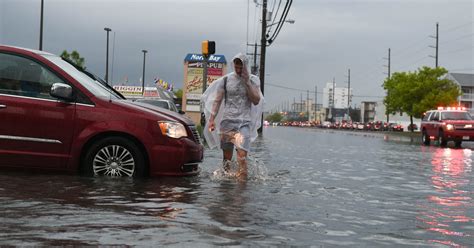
315 100
307 103
436 47
113 59
333 98
349 93
255 67
263 46
143 76
107 57
204 72
387 113
293 109
388 64
41 27
333 92
301 103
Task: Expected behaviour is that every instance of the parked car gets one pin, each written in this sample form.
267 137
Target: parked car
413 127
326 124
369 126
395 127
57 116
162 103
447 124
377 126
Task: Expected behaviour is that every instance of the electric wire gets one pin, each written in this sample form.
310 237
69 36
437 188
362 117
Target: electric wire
274 16
279 27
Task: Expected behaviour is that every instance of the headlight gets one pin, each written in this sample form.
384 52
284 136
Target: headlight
449 127
172 129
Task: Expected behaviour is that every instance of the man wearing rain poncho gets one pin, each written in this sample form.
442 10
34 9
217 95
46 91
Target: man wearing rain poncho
233 107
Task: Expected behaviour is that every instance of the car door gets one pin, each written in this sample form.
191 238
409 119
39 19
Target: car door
433 124
425 122
36 129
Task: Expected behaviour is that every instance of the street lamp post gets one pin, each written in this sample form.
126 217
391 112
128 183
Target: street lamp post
107 57
290 21
41 27
143 76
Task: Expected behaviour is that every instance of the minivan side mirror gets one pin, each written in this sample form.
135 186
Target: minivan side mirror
61 91
182 112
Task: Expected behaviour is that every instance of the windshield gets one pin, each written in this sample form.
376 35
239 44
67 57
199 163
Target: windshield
456 116
89 83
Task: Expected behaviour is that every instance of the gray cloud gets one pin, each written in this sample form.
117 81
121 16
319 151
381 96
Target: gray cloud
328 37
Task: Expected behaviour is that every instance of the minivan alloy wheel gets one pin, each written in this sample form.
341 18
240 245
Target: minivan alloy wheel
115 161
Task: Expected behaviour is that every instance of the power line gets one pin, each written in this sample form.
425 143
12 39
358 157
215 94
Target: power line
319 92
281 18
457 27
282 21
458 50
290 88
255 22
463 69
412 63
405 49
458 38
274 14
415 54
248 12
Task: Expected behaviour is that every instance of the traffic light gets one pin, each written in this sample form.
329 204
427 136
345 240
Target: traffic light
208 47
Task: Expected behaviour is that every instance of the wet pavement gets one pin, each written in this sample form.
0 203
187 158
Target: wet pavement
307 187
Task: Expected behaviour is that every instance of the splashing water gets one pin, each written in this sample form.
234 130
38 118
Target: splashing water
256 169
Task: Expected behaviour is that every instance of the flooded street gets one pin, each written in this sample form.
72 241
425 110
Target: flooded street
306 187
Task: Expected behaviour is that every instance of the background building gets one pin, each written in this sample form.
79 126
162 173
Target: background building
466 83
367 111
399 117
341 96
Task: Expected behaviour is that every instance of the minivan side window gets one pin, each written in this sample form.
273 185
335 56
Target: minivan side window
24 77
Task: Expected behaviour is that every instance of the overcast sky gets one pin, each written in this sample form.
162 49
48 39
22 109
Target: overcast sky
327 38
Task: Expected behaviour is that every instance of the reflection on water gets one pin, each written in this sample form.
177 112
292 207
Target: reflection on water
306 188
450 205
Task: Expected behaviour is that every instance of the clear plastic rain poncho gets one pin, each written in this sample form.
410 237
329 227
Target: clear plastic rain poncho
237 119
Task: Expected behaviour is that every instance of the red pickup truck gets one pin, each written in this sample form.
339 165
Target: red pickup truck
447 124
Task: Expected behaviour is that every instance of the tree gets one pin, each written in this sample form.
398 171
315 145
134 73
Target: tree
417 92
74 57
275 117
179 93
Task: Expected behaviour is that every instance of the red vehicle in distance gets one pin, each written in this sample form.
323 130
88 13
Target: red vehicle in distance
56 116
447 124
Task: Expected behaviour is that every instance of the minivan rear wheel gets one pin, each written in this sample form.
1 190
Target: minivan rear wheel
114 157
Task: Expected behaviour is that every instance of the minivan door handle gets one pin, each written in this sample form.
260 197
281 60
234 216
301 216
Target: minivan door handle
2 106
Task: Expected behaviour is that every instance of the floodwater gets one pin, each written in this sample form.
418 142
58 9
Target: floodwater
307 187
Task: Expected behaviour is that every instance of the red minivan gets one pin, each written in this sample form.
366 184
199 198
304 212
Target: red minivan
56 116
